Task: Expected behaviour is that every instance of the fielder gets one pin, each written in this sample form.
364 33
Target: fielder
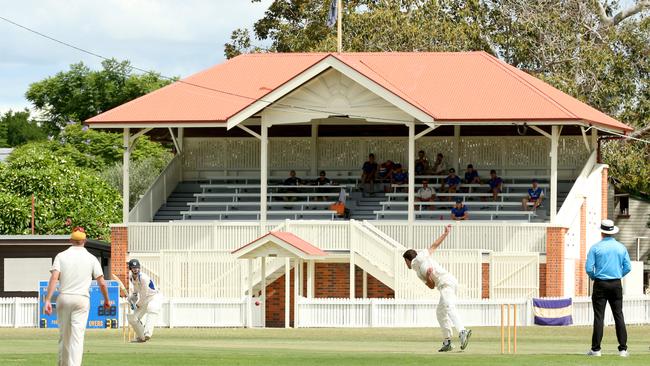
145 299
74 268
434 275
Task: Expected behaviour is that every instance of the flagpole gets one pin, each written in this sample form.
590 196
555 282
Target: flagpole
339 26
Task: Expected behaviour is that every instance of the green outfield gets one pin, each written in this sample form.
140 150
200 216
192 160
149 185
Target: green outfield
536 346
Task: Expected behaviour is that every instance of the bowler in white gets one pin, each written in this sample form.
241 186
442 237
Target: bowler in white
434 275
74 269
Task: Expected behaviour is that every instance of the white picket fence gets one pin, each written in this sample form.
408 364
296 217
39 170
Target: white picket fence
333 313
362 313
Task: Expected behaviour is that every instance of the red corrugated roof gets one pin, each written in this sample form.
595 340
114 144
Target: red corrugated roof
290 239
450 87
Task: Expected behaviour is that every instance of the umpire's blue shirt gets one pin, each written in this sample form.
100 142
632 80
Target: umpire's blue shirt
608 260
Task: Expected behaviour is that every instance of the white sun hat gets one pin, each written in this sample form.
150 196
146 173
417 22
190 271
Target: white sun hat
608 227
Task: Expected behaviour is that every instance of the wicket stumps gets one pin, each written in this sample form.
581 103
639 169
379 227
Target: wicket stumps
505 320
127 332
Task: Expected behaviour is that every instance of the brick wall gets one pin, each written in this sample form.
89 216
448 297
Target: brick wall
119 248
555 261
580 275
542 280
485 285
332 280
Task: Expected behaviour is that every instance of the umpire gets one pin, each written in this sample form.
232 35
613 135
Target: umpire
607 262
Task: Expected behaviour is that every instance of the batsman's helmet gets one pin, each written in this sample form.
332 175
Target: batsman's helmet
133 263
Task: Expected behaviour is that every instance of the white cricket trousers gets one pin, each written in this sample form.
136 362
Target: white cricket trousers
72 315
446 310
144 318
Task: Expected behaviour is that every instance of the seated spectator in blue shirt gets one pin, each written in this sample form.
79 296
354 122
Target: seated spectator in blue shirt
369 174
459 211
399 176
452 181
496 184
535 196
471 175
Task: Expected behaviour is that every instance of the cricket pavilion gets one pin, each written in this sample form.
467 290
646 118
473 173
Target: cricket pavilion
219 227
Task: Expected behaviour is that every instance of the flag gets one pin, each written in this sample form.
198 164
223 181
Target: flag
331 16
553 312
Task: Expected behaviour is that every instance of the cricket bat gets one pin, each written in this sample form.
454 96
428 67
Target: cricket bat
122 287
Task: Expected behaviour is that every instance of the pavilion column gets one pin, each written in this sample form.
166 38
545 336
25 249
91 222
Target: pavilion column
263 295
555 137
287 291
314 148
296 290
594 139
310 279
352 272
456 156
249 314
125 175
264 171
411 177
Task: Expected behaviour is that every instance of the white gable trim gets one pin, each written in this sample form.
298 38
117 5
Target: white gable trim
328 62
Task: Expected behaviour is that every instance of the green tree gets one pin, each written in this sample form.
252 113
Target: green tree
62 191
80 93
16 128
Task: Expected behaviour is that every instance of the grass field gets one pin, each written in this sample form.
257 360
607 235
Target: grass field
536 346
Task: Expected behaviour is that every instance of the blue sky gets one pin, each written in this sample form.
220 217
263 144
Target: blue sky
175 38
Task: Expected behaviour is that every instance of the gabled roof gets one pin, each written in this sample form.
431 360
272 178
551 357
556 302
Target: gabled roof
280 244
451 87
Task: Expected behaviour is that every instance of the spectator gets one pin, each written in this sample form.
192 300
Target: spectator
426 193
369 175
385 175
439 165
535 196
399 176
291 181
471 175
421 164
322 180
496 184
452 181
459 211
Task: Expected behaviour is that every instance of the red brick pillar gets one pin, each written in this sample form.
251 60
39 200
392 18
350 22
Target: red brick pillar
119 249
485 285
580 275
604 190
555 261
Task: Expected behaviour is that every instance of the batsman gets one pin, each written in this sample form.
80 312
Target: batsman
145 299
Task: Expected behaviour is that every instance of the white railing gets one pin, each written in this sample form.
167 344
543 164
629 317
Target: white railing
327 235
157 194
346 313
510 154
374 248
497 237
18 312
338 312
197 235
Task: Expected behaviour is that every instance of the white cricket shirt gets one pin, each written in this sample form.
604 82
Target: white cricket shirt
421 264
77 269
145 288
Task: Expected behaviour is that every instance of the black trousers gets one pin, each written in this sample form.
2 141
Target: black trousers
605 291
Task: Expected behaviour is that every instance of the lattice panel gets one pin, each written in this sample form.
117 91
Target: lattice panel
290 153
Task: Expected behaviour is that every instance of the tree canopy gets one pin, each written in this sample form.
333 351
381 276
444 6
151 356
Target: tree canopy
17 128
80 93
